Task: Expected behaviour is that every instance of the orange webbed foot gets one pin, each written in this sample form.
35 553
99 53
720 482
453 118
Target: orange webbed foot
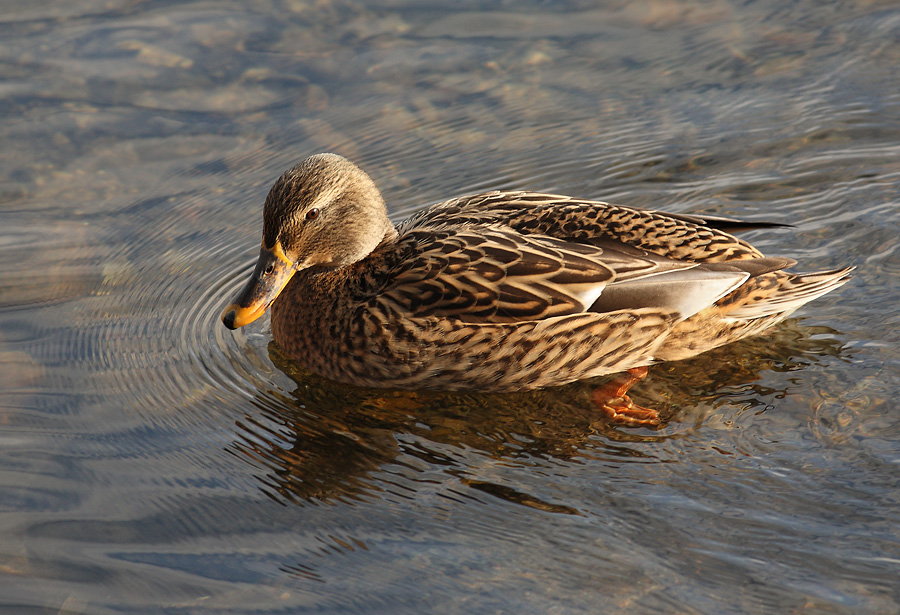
612 399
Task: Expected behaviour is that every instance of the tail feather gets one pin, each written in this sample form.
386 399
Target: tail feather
792 291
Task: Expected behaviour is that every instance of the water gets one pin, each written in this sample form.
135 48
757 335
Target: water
154 462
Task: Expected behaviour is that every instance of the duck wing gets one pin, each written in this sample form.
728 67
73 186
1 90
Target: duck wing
697 238
496 274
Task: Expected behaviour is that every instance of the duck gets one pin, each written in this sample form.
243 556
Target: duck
504 290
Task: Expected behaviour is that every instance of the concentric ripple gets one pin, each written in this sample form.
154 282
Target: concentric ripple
141 340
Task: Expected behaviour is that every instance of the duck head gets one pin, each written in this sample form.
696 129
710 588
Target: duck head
324 212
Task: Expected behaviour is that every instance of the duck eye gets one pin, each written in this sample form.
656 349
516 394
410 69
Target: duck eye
312 214
269 269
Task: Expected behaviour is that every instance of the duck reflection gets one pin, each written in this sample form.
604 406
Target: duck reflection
325 441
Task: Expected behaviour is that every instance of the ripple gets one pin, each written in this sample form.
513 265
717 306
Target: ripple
184 357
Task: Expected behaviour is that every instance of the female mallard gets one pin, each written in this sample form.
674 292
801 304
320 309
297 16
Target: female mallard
500 291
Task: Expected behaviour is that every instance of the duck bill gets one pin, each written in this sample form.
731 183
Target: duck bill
261 290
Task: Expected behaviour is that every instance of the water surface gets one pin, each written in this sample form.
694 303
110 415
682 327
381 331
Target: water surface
154 462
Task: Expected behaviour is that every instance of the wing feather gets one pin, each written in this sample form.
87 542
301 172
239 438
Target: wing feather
496 274
682 236
518 256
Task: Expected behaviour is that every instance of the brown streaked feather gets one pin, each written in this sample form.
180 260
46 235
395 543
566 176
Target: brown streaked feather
780 293
494 274
581 220
451 354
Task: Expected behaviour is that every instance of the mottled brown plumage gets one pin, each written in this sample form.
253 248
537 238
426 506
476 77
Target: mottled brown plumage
504 290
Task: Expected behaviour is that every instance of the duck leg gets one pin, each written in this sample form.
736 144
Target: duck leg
612 398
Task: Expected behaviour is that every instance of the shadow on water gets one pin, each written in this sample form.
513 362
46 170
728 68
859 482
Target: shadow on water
328 440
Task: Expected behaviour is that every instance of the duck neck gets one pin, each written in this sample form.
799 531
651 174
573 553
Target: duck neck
390 236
